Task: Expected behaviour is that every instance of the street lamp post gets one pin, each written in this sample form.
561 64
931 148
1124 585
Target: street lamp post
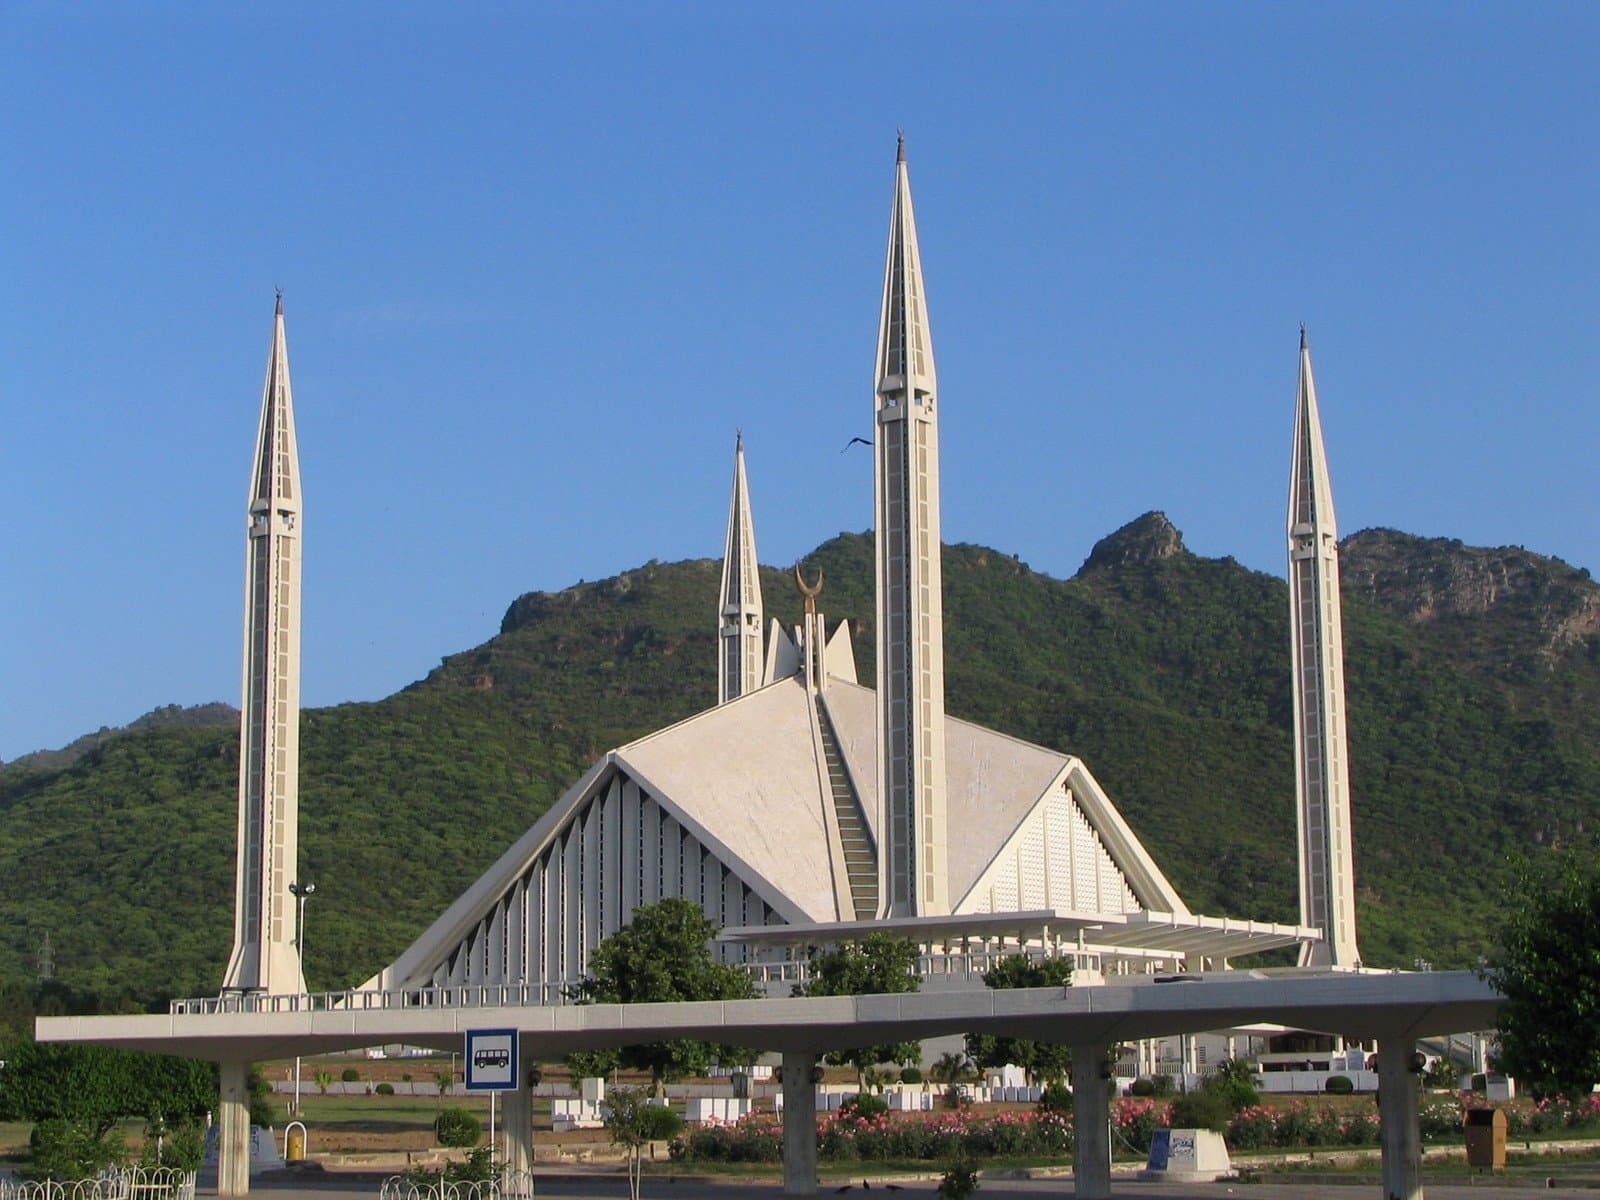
301 892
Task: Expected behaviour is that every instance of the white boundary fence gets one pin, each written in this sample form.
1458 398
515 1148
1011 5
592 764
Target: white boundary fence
512 1185
126 1183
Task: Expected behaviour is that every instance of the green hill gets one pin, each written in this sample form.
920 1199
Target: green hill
1473 681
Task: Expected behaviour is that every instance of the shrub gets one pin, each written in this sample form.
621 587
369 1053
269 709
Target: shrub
1142 1087
68 1150
350 1075
658 1123
863 1104
385 1089
262 1111
960 1180
911 1075
181 1146
1360 1128
1339 1085
1442 1075
1237 1092
1203 1108
1137 1121
1163 1086
405 1079
1252 1129
457 1127
478 1167
1057 1098
1439 1118
954 1097
1294 1126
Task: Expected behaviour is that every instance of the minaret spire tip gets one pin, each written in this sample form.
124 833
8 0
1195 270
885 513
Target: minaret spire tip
278 312
900 146
1302 335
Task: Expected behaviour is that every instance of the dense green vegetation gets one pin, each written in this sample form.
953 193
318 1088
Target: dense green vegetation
1548 968
1474 719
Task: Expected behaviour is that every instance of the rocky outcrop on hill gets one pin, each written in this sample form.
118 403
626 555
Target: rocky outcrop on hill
1427 580
1145 539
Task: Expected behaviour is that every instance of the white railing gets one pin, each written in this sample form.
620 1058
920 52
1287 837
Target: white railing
510 1185
522 995
477 995
125 1183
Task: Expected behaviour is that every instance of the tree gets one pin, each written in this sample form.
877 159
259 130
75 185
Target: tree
1043 1061
663 954
1547 967
76 1095
878 964
1235 1081
951 1067
593 1064
96 1086
634 1123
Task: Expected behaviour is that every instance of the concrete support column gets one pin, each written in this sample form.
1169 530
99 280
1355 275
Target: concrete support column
1091 1116
233 1131
1399 1133
799 1124
517 1116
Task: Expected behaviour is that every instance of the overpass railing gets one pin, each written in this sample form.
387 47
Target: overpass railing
797 971
476 995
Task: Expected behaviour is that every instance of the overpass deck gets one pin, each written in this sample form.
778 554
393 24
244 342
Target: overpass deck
1354 1004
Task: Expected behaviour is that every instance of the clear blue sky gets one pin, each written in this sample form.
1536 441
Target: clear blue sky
540 262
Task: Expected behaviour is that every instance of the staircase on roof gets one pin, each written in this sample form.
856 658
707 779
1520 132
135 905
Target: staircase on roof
860 856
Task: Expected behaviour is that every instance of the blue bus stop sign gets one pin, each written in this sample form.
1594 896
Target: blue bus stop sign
491 1060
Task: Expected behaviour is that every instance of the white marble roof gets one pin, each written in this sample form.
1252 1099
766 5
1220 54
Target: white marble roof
747 772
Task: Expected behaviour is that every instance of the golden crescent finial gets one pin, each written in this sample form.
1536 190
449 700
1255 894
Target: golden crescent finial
809 591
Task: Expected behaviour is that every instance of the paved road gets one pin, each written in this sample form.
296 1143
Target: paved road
571 1188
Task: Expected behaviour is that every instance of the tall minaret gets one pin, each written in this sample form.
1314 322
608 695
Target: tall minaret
266 954
1322 784
739 652
910 631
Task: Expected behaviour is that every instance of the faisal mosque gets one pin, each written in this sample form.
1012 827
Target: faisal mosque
804 809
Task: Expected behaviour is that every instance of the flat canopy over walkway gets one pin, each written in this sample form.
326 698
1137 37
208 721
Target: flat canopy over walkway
1353 1004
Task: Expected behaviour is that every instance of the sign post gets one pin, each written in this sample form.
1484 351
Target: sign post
492 1065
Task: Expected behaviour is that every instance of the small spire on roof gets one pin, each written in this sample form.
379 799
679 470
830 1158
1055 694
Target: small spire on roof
1302 335
900 146
738 443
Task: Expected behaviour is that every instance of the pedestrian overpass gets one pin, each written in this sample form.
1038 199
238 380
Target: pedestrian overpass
1393 1008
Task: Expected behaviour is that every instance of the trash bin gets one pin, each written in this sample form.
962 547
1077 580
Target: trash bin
294 1139
1486 1138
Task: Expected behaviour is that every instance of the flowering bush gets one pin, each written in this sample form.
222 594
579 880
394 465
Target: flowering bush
1253 1128
1136 1120
1439 1117
948 1136
842 1137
